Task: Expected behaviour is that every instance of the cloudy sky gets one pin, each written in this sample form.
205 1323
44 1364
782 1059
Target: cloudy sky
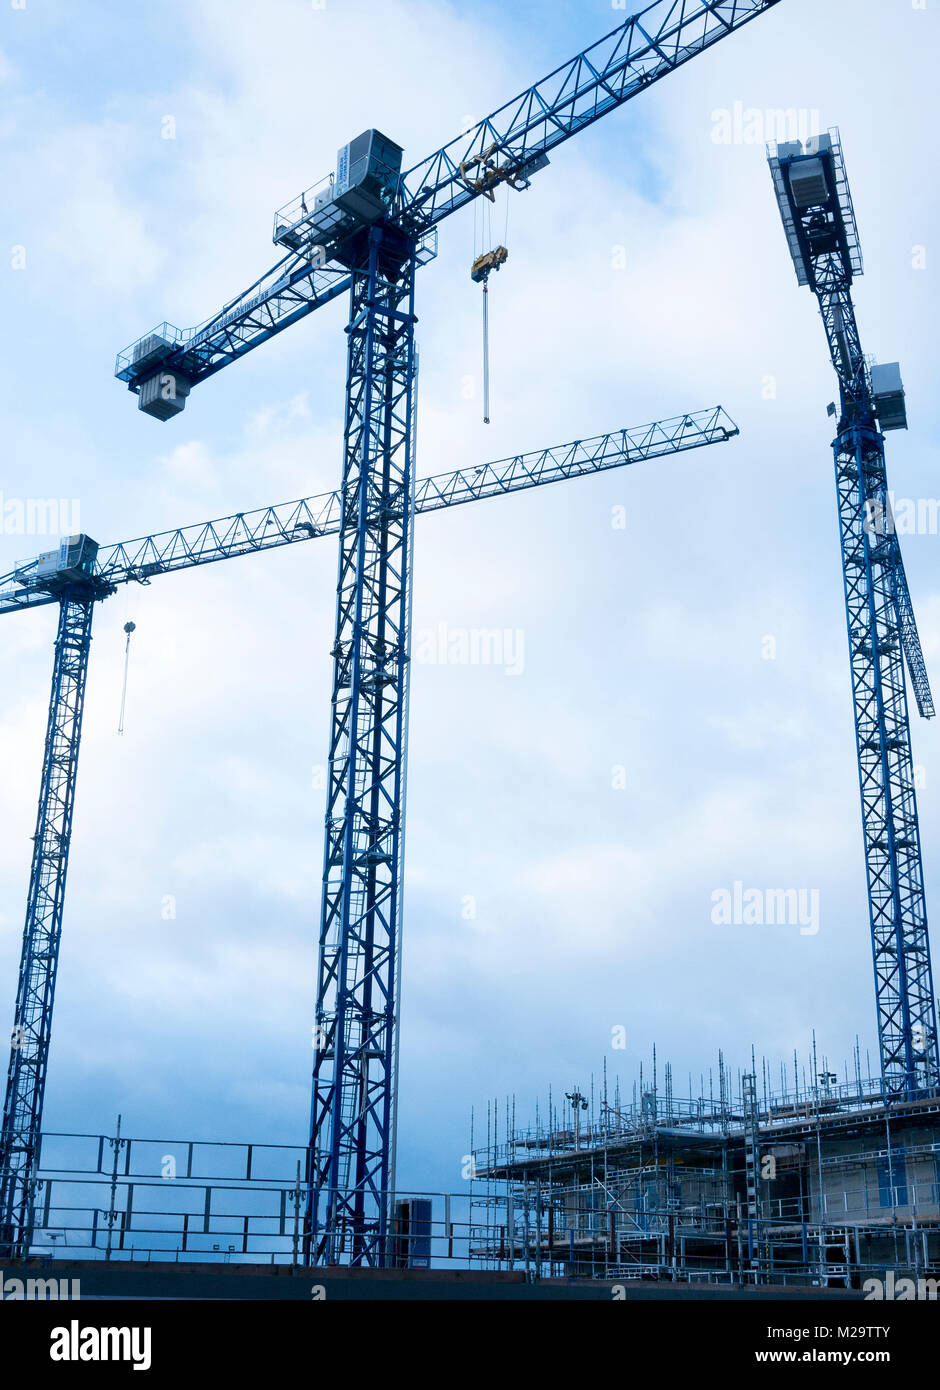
682 720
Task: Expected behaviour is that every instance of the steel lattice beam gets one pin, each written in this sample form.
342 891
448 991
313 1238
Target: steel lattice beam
32 1026
291 523
645 48
352 1116
502 149
898 914
823 238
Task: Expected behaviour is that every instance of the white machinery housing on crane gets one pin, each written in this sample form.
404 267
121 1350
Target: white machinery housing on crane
367 174
74 559
887 393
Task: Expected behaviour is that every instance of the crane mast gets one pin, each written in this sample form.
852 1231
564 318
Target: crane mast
816 206
76 590
355 1041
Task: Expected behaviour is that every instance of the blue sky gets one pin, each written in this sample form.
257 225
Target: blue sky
648 275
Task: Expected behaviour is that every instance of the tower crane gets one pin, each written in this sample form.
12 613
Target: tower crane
81 574
366 232
816 206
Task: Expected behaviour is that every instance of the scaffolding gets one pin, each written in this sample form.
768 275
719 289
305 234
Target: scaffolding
819 1182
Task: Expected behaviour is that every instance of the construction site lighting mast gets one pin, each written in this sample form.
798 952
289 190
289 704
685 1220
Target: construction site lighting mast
366 232
79 575
816 206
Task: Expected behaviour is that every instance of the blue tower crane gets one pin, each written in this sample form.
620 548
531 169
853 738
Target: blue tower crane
366 232
79 575
816 206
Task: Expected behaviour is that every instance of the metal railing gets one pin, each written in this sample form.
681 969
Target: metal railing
111 1197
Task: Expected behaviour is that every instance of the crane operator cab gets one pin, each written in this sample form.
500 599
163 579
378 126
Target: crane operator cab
819 220
362 191
56 571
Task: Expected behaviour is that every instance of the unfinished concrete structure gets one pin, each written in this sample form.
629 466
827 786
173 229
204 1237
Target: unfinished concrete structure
823 1184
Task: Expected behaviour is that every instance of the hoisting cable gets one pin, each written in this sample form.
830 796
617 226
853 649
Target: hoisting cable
486 353
128 628
480 273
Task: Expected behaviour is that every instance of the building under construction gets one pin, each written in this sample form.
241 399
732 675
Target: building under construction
823 1185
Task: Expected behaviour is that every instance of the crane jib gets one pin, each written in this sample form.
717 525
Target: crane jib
508 147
